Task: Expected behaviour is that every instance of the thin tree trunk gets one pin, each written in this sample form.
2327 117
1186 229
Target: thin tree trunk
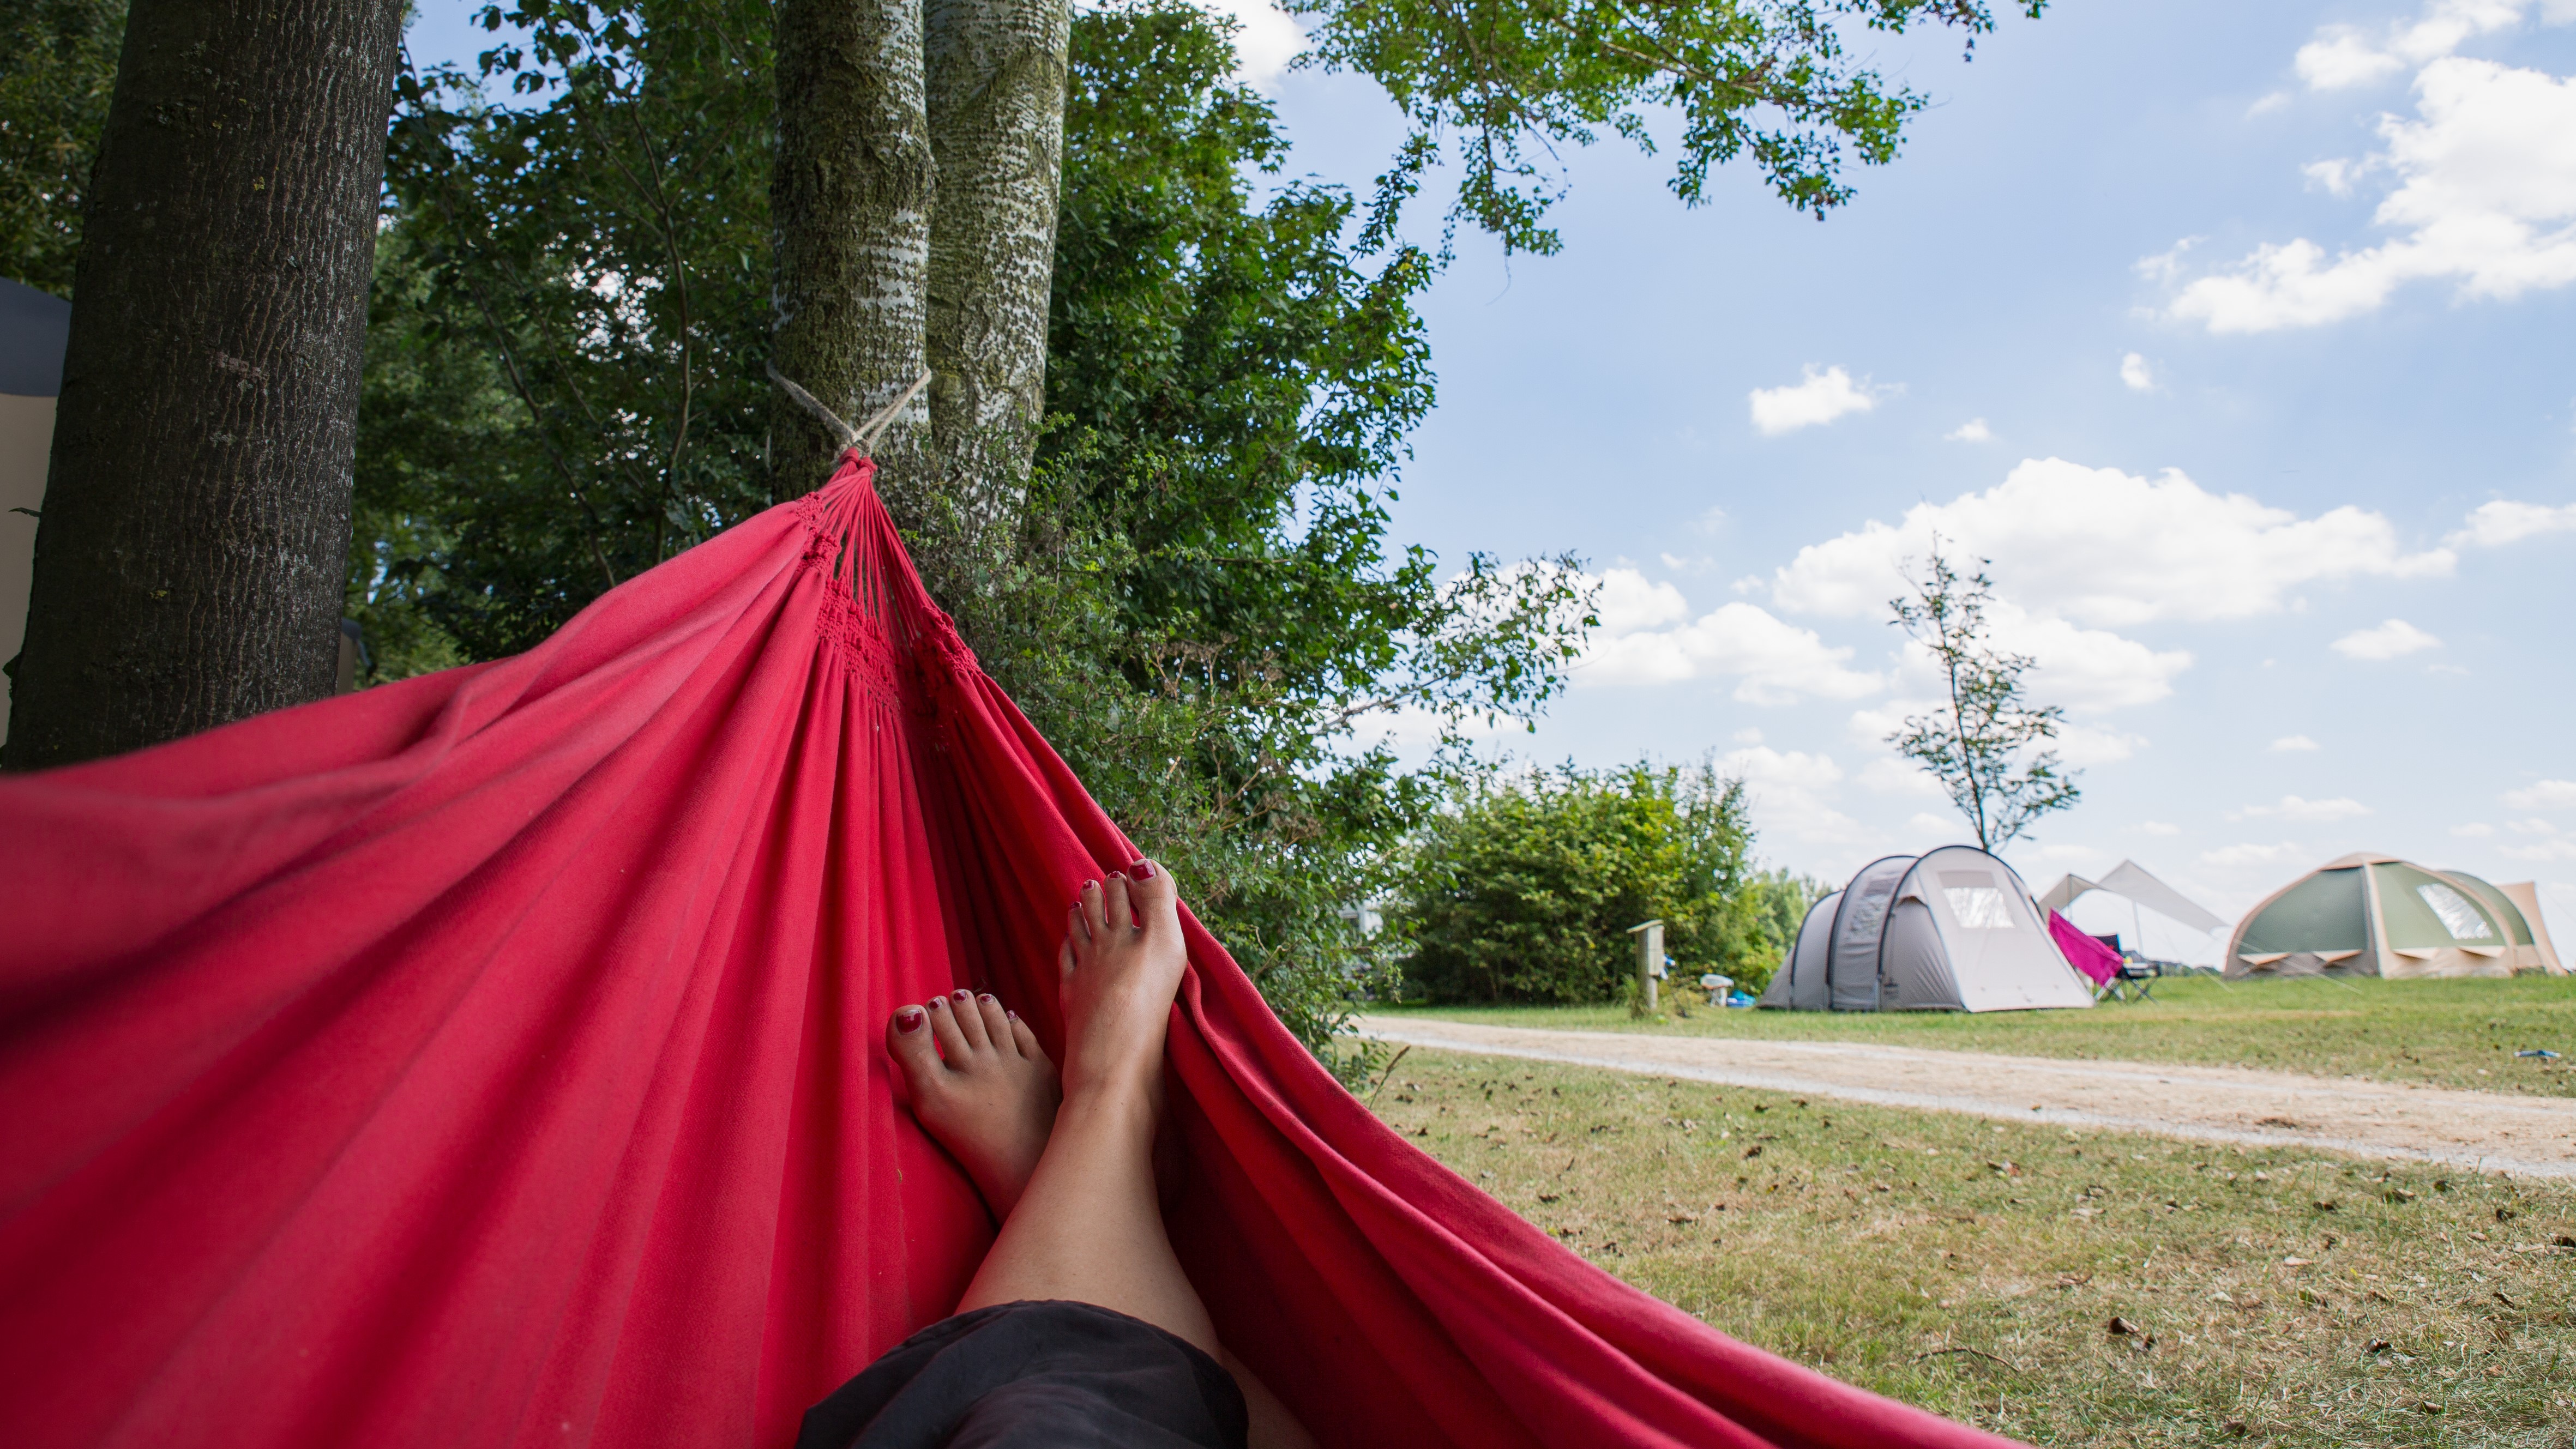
997 73
850 201
189 563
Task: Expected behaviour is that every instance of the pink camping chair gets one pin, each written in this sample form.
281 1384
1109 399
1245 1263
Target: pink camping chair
2098 963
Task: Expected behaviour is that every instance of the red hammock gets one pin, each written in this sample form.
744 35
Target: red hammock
493 1059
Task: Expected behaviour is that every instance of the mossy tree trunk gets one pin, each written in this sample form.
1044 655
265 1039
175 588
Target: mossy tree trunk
850 201
997 71
919 160
189 562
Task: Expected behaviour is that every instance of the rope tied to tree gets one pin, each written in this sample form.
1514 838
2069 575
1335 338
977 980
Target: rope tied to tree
864 437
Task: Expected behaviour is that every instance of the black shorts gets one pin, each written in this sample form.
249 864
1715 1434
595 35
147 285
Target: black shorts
1058 1375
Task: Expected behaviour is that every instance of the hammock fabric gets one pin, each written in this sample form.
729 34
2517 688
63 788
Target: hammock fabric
494 1059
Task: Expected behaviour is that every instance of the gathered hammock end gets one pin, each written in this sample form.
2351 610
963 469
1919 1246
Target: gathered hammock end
863 437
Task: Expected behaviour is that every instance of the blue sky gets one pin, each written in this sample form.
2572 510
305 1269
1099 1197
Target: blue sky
2241 338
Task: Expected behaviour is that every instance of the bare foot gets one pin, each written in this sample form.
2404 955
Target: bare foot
1119 969
987 1093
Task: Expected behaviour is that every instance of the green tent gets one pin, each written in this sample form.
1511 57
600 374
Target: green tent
2376 915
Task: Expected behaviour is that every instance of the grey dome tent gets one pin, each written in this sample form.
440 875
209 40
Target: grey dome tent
1954 930
2377 915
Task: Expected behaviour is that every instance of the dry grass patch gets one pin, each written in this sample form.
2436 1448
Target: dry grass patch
2063 1287
2449 1033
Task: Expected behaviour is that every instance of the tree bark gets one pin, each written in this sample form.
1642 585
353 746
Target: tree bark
189 563
851 202
997 72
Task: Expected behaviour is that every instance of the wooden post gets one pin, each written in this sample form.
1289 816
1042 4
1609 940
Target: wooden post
1650 960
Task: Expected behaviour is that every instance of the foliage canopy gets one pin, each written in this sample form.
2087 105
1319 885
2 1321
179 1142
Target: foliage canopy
1525 888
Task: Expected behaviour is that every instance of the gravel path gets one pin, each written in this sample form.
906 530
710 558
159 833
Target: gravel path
2487 1131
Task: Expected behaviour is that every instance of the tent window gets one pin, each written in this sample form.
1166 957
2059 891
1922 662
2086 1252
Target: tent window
2458 916
1979 908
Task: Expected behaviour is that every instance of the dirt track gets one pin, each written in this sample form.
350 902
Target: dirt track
2526 1136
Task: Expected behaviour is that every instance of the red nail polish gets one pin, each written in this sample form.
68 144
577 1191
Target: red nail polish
962 994
908 1019
937 1003
1144 870
1012 1015
988 997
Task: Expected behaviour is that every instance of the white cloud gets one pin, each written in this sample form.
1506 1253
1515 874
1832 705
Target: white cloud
2486 197
1269 40
2294 808
2158 827
2233 857
2106 548
1792 797
1821 398
2135 372
1974 430
2562 848
1891 775
2390 640
2493 525
1936 827
2534 826
2543 795
1647 637
1747 736
2351 55
2081 744
2473 831
2290 744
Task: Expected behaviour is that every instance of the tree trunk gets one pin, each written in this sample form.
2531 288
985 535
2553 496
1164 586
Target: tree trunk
850 202
189 564
996 104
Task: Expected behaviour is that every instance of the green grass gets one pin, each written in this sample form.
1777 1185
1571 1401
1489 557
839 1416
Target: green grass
2451 1033
1975 1268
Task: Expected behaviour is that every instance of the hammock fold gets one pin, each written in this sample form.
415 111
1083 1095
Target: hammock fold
493 1059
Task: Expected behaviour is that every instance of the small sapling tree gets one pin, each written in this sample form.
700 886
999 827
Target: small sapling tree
1980 743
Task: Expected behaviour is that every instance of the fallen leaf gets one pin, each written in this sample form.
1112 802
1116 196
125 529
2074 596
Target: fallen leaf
2121 1328
2378 1345
1681 1218
2297 1262
2275 1122
1753 1151
2324 1204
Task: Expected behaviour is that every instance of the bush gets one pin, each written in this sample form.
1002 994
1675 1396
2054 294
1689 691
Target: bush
1524 889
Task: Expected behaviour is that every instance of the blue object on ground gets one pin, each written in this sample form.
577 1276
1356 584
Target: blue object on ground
1739 999
2542 1052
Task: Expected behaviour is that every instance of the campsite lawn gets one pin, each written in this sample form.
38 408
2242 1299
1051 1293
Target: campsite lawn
2451 1033
2277 1296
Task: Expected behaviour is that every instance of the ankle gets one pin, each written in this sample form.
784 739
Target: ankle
1132 1095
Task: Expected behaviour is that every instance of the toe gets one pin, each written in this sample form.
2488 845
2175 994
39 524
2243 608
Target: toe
1115 908
1157 899
908 1042
1027 1040
944 1029
969 1017
1087 910
997 1025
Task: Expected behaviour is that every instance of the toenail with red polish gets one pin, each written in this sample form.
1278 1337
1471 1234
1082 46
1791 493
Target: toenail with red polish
962 994
1144 870
1013 1015
908 1019
988 996
936 1003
